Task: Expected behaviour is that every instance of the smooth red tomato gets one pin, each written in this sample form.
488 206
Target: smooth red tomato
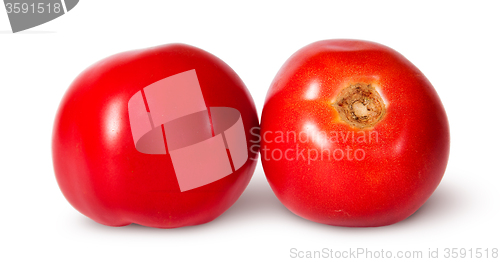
158 137
353 134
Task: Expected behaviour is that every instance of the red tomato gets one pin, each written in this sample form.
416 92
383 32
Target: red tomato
353 134
158 137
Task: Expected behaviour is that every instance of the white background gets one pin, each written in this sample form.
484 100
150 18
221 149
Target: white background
455 45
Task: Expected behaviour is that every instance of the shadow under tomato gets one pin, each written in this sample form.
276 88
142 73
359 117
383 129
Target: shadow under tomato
258 203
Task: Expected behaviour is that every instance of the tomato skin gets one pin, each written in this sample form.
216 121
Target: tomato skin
403 164
98 168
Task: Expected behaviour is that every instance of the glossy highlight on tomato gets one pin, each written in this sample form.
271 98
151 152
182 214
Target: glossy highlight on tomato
353 134
158 137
